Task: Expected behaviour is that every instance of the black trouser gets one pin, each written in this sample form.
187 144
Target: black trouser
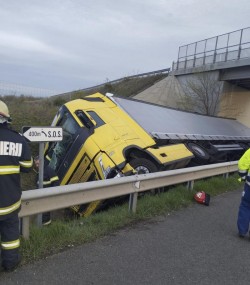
10 242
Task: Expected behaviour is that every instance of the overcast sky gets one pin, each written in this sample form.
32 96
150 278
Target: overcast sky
67 45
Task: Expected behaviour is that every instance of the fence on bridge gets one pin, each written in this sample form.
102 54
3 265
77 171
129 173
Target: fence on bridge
226 47
42 200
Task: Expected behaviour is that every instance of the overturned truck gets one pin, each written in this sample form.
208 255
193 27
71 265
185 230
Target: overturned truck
107 136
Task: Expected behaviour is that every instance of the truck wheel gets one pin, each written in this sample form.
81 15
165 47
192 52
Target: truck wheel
201 155
143 165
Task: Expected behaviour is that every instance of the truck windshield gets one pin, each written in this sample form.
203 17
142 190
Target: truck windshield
57 151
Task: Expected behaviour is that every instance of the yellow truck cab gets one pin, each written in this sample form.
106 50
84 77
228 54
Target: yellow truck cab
101 140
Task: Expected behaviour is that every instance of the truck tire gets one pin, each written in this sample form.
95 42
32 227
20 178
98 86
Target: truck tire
143 165
201 155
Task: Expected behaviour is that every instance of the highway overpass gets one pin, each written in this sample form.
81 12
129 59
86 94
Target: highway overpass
226 58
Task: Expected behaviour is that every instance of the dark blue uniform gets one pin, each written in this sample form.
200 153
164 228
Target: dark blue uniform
15 157
244 209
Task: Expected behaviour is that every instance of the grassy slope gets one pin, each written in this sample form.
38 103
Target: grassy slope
125 88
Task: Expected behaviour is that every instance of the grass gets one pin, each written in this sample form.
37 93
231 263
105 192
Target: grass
62 235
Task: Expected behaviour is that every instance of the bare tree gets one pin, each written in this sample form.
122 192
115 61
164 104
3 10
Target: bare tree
202 93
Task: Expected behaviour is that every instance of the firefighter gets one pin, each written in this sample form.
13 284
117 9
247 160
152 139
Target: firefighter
50 179
15 156
244 208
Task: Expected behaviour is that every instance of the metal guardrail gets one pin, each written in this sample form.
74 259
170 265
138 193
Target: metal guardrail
226 47
156 72
54 198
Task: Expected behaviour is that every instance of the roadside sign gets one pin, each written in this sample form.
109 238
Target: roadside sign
43 134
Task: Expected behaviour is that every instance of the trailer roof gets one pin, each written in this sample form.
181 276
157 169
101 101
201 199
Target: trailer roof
167 123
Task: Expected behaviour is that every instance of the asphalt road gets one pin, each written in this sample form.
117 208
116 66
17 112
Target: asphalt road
195 245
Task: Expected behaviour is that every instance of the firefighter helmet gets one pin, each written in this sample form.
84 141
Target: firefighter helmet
202 198
4 113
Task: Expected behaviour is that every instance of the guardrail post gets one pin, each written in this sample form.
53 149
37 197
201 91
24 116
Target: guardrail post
190 185
194 61
226 54
185 65
173 65
25 227
132 202
133 198
41 171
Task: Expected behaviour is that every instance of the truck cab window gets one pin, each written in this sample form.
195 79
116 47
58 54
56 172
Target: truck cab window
97 119
59 150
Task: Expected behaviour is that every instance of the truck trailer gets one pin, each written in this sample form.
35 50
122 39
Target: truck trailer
211 139
106 136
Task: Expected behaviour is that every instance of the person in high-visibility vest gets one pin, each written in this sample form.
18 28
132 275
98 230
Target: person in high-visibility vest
15 157
244 209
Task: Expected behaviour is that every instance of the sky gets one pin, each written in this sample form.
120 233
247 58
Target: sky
66 45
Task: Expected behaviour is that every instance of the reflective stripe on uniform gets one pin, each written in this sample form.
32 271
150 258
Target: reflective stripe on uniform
11 244
55 178
27 163
52 179
242 171
10 209
48 158
9 169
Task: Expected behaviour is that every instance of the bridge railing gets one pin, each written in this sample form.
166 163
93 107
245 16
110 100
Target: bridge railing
54 198
226 47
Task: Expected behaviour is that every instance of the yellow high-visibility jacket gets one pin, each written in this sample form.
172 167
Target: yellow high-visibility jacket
244 167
